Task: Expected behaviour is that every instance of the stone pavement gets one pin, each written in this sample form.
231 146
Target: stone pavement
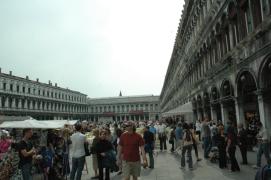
167 168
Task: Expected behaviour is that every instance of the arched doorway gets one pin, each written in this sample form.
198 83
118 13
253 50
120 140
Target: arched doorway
247 98
265 85
228 112
215 105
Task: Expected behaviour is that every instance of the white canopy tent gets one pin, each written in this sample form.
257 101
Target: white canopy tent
37 124
185 110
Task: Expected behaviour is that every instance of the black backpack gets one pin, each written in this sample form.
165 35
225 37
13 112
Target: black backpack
188 135
264 173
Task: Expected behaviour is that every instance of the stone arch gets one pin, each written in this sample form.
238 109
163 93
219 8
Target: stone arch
226 88
214 93
265 70
244 77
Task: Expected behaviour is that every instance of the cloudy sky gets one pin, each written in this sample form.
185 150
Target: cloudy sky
97 47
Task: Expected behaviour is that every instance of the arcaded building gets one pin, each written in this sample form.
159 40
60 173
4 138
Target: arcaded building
25 97
221 61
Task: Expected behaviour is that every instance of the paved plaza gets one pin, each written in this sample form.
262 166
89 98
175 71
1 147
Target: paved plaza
167 168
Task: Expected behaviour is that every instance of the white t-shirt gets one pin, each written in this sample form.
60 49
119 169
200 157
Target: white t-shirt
198 126
161 129
78 149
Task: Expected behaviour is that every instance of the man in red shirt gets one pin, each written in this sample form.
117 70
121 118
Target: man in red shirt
129 145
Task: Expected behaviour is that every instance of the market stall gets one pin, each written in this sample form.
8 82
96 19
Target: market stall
50 138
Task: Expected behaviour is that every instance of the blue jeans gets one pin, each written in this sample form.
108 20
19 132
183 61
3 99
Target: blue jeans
187 148
26 171
77 167
264 148
151 158
207 146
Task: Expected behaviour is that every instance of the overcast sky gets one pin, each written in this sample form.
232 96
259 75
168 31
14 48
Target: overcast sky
97 47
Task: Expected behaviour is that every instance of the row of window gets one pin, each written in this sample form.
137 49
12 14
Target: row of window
123 108
242 19
44 93
39 105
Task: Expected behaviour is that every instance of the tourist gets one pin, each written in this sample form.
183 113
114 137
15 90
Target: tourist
231 147
221 145
187 147
172 139
179 136
5 143
162 135
195 141
264 146
242 142
26 153
149 145
198 129
78 153
93 151
153 130
129 145
206 137
103 147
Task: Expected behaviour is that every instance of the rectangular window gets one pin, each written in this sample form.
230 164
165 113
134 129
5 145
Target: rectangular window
18 88
29 90
23 89
249 21
4 86
11 87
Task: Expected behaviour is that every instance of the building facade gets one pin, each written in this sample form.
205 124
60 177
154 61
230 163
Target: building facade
124 108
24 97
221 61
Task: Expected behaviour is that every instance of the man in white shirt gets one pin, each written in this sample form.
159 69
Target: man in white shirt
161 131
264 146
198 129
78 153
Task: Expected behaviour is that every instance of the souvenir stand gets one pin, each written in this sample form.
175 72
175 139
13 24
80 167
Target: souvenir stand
54 157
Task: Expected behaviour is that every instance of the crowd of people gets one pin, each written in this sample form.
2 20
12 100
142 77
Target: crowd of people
126 147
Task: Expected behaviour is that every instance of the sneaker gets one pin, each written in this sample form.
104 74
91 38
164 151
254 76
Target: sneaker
199 159
119 173
256 167
191 169
182 167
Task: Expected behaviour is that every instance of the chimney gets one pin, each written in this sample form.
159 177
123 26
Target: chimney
55 84
50 82
10 73
27 78
37 79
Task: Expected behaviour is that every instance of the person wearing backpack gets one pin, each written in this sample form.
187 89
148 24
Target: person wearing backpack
264 173
187 147
231 147
264 146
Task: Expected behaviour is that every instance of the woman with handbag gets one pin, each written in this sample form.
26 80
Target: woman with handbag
102 148
172 139
195 141
93 151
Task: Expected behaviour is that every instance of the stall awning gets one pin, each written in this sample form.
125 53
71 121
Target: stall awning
37 124
180 110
